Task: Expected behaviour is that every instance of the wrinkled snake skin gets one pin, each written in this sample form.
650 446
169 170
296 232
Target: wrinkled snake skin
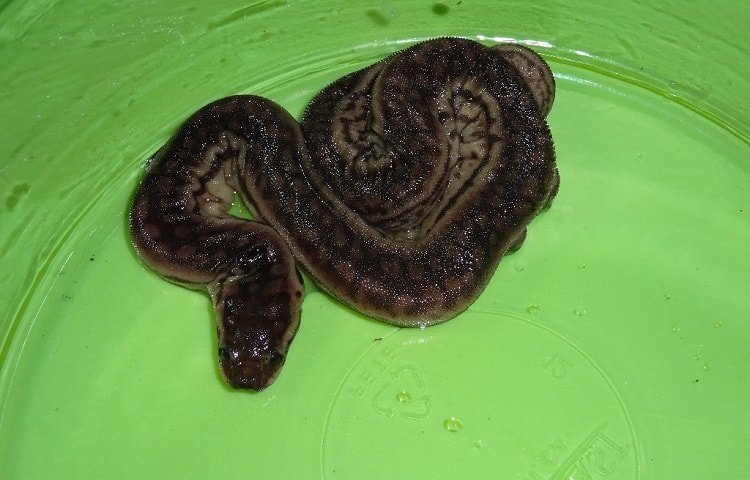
399 193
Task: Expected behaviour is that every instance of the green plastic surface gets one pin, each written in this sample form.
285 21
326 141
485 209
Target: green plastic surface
614 345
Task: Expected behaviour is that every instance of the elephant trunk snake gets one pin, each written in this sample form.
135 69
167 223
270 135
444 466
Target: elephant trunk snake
399 192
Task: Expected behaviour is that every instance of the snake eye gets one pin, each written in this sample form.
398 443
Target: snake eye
224 354
276 359
228 354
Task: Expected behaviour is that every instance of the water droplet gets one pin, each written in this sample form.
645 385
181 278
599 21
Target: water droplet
453 424
579 312
675 328
718 323
403 396
478 444
667 297
533 308
705 367
696 357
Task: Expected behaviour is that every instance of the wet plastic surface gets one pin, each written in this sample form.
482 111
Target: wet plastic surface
612 345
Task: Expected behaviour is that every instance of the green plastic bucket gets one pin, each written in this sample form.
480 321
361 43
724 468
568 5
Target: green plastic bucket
613 345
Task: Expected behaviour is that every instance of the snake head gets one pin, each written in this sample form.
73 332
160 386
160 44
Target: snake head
257 303
249 368
254 337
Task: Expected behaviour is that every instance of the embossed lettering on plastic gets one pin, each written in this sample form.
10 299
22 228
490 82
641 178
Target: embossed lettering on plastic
558 366
596 457
392 387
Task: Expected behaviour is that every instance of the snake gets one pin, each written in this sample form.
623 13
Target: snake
399 191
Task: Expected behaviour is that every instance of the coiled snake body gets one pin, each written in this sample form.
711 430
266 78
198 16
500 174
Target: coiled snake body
399 193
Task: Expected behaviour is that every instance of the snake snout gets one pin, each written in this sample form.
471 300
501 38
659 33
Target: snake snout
248 370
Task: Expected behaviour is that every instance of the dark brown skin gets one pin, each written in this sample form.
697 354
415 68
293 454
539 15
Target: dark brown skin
180 227
423 171
438 157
